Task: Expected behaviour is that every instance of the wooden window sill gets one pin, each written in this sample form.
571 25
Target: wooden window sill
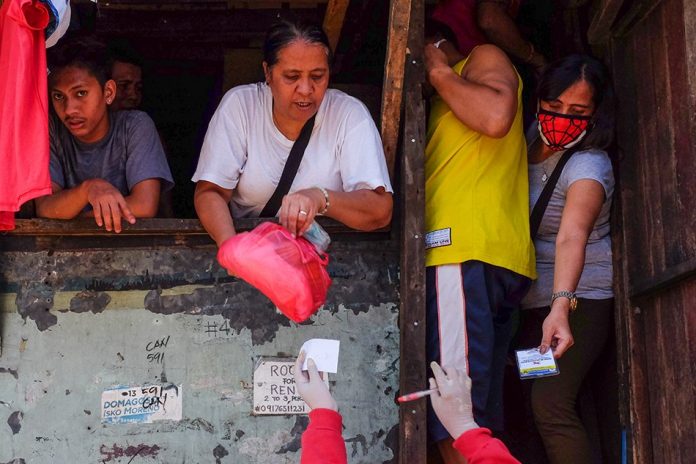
84 234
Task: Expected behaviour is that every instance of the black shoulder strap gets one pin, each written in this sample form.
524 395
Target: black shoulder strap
290 170
543 201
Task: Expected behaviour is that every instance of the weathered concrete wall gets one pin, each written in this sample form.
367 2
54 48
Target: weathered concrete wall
75 324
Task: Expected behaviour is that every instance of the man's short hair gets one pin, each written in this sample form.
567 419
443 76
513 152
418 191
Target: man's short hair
124 53
81 52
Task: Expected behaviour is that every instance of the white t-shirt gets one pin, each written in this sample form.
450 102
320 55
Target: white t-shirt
244 150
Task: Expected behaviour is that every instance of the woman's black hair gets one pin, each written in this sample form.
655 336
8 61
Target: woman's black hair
80 52
561 74
284 32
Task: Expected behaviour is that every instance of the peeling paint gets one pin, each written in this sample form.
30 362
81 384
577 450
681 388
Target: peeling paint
263 320
376 436
301 424
392 442
15 421
220 452
354 441
35 300
7 370
89 300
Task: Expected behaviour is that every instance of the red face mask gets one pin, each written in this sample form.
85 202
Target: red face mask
561 131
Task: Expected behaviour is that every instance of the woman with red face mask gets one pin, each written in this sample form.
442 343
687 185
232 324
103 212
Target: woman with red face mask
569 308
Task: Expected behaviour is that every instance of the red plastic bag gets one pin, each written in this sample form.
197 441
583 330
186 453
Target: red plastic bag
288 270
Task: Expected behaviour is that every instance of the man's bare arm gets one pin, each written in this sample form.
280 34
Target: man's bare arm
108 205
62 203
144 198
500 28
484 97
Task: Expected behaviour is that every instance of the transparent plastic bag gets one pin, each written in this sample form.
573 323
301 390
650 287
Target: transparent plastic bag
318 237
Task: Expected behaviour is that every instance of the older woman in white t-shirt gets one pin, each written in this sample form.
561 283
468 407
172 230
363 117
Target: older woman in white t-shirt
343 173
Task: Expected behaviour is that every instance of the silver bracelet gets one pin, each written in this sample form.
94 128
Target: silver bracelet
326 201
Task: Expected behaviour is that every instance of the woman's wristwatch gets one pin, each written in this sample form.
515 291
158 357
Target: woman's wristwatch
566 294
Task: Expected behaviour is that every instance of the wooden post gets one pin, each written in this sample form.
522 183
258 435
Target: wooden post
333 20
397 40
412 432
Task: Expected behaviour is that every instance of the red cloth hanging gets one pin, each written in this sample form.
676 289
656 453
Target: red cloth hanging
23 107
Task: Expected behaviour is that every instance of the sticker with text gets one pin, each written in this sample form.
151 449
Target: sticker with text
533 364
146 404
438 238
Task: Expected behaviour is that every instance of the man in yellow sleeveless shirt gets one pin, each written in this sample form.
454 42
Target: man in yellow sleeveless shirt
479 258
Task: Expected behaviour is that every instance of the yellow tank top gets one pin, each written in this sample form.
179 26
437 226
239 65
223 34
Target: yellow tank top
476 193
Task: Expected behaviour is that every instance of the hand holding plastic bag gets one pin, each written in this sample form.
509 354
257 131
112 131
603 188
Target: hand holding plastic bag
288 270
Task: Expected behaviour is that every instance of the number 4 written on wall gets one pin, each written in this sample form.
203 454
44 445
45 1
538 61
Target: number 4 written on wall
213 328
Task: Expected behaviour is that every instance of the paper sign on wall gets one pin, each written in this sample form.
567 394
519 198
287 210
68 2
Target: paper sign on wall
146 404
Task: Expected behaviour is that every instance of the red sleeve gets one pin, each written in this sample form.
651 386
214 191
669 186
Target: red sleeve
322 442
479 447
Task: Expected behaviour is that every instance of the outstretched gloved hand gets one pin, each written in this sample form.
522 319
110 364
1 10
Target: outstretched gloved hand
311 387
452 401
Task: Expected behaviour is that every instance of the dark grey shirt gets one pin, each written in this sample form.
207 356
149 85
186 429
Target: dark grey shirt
131 152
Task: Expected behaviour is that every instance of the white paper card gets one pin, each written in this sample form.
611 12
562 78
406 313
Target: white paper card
534 364
324 352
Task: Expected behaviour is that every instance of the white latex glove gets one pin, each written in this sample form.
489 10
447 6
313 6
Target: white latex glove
311 387
452 401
